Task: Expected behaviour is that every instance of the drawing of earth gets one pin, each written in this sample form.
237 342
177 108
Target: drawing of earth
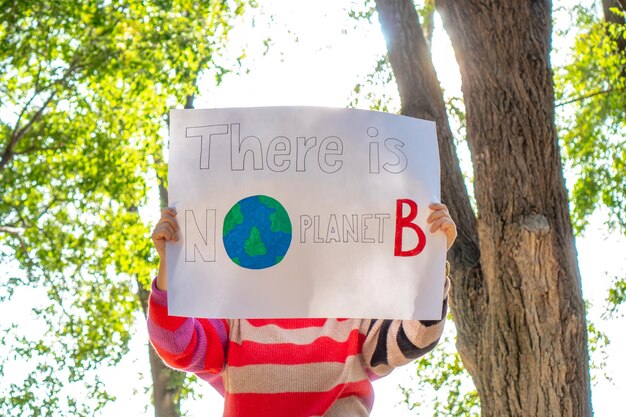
257 232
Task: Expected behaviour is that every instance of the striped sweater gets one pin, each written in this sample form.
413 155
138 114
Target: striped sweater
289 367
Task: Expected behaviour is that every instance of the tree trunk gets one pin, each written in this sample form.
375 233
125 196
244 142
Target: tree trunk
166 382
608 7
520 318
422 97
611 17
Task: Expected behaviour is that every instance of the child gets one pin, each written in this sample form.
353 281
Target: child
289 367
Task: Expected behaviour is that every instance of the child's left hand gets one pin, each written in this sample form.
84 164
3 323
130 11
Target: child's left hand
441 220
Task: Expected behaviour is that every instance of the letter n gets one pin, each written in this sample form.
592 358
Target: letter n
407 222
200 236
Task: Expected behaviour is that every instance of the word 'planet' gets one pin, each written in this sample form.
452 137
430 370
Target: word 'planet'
257 232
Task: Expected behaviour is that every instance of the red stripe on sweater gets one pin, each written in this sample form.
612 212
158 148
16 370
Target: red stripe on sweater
294 404
322 349
214 354
182 359
214 360
288 323
159 314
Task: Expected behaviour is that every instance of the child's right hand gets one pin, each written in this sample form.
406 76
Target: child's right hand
166 230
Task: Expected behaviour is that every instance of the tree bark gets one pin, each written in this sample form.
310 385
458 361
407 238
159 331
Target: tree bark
422 97
166 382
520 318
613 18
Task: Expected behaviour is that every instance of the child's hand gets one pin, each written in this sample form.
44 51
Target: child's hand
166 230
441 220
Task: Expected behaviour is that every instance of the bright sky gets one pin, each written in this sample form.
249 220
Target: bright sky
321 69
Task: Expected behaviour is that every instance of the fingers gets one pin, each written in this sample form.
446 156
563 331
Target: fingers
167 227
439 211
168 216
437 206
436 215
443 223
165 231
440 220
169 210
450 229
169 221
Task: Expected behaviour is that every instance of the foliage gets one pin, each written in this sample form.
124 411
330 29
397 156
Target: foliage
442 385
374 91
598 356
592 121
617 295
591 104
362 10
84 92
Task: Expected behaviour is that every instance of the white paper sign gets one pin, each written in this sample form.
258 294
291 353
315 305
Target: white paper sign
304 212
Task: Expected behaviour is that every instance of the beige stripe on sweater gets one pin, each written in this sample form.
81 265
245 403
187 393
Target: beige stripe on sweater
349 406
274 334
313 377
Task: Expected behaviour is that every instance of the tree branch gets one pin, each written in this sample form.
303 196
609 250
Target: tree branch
586 96
33 149
19 133
18 232
15 231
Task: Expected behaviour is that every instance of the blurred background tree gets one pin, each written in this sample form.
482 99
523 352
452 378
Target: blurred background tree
591 117
85 90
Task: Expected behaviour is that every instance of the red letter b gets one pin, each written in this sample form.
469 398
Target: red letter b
401 223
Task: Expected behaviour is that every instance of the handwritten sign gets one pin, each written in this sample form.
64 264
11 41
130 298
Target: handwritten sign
303 212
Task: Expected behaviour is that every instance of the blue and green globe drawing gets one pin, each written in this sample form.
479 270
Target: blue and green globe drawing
257 232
